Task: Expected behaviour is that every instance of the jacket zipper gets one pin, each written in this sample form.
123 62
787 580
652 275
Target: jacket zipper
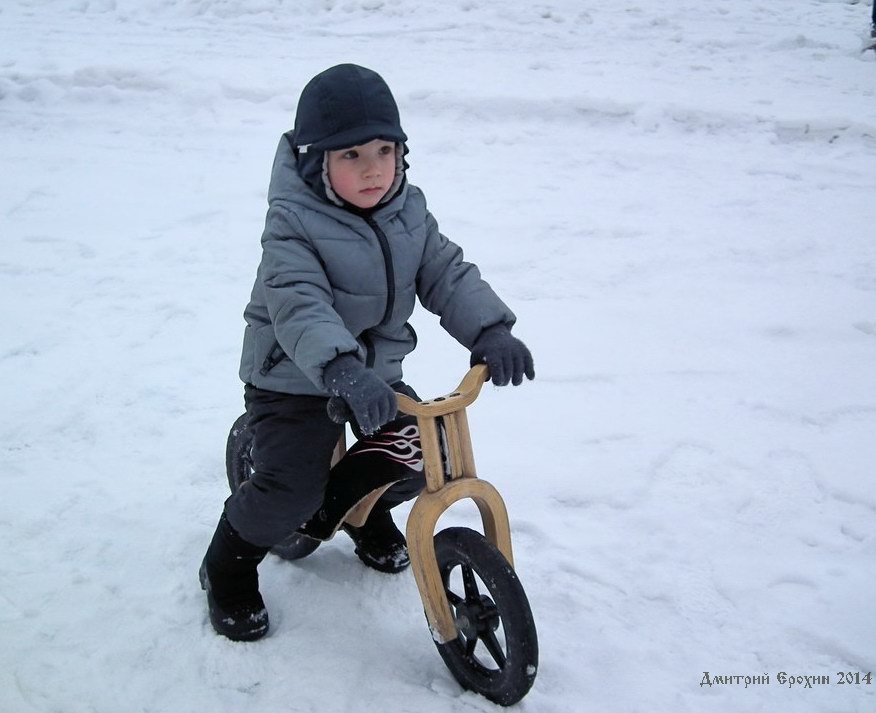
390 271
368 343
275 356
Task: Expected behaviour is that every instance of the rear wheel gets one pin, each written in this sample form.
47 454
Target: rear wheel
239 469
496 650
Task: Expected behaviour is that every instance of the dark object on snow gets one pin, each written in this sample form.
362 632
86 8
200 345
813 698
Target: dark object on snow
496 651
229 575
380 544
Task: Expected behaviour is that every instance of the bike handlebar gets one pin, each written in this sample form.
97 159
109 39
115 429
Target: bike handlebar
464 395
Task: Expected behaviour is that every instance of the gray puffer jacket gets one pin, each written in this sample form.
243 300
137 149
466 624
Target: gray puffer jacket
332 281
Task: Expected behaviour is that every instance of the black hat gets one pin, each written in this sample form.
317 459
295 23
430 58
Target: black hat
343 106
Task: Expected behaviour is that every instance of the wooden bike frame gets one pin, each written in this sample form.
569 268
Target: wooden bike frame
450 477
446 484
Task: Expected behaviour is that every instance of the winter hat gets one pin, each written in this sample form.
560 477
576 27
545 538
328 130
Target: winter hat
346 105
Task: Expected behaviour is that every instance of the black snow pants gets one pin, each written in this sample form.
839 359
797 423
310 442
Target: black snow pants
293 441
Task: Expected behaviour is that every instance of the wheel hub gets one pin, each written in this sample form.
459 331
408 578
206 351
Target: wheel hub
477 616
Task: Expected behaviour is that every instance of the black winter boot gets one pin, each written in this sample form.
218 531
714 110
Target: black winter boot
230 577
379 543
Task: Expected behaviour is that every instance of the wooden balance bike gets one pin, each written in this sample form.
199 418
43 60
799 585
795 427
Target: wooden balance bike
475 606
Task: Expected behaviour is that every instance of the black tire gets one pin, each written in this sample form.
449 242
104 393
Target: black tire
496 651
238 469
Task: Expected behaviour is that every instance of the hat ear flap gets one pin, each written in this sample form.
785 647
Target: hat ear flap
327 184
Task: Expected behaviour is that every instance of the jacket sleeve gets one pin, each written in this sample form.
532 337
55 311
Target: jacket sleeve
299 297
453 289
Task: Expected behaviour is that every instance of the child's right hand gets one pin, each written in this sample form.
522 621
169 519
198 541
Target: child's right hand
371 400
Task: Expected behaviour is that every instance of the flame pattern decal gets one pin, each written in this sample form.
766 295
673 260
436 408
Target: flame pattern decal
401 446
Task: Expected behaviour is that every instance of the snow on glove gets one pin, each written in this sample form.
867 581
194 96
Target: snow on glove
369 397
505 355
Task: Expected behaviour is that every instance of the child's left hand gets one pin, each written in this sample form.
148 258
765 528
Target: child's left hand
507 358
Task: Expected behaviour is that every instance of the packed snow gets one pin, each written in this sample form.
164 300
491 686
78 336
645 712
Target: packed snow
678 199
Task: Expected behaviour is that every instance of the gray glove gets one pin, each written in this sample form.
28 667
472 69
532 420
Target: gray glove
369 397
505 355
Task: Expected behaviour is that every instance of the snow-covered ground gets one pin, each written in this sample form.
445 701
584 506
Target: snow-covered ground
677 198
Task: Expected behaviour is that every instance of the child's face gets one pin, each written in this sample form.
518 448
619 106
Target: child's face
362 175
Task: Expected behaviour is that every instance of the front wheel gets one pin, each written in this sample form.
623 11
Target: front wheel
238 469
495 652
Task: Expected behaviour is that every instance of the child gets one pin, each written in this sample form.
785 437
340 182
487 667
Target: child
347 247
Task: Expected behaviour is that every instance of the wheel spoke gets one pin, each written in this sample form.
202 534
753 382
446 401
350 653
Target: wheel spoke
471 586
470 646
494 647
453 598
